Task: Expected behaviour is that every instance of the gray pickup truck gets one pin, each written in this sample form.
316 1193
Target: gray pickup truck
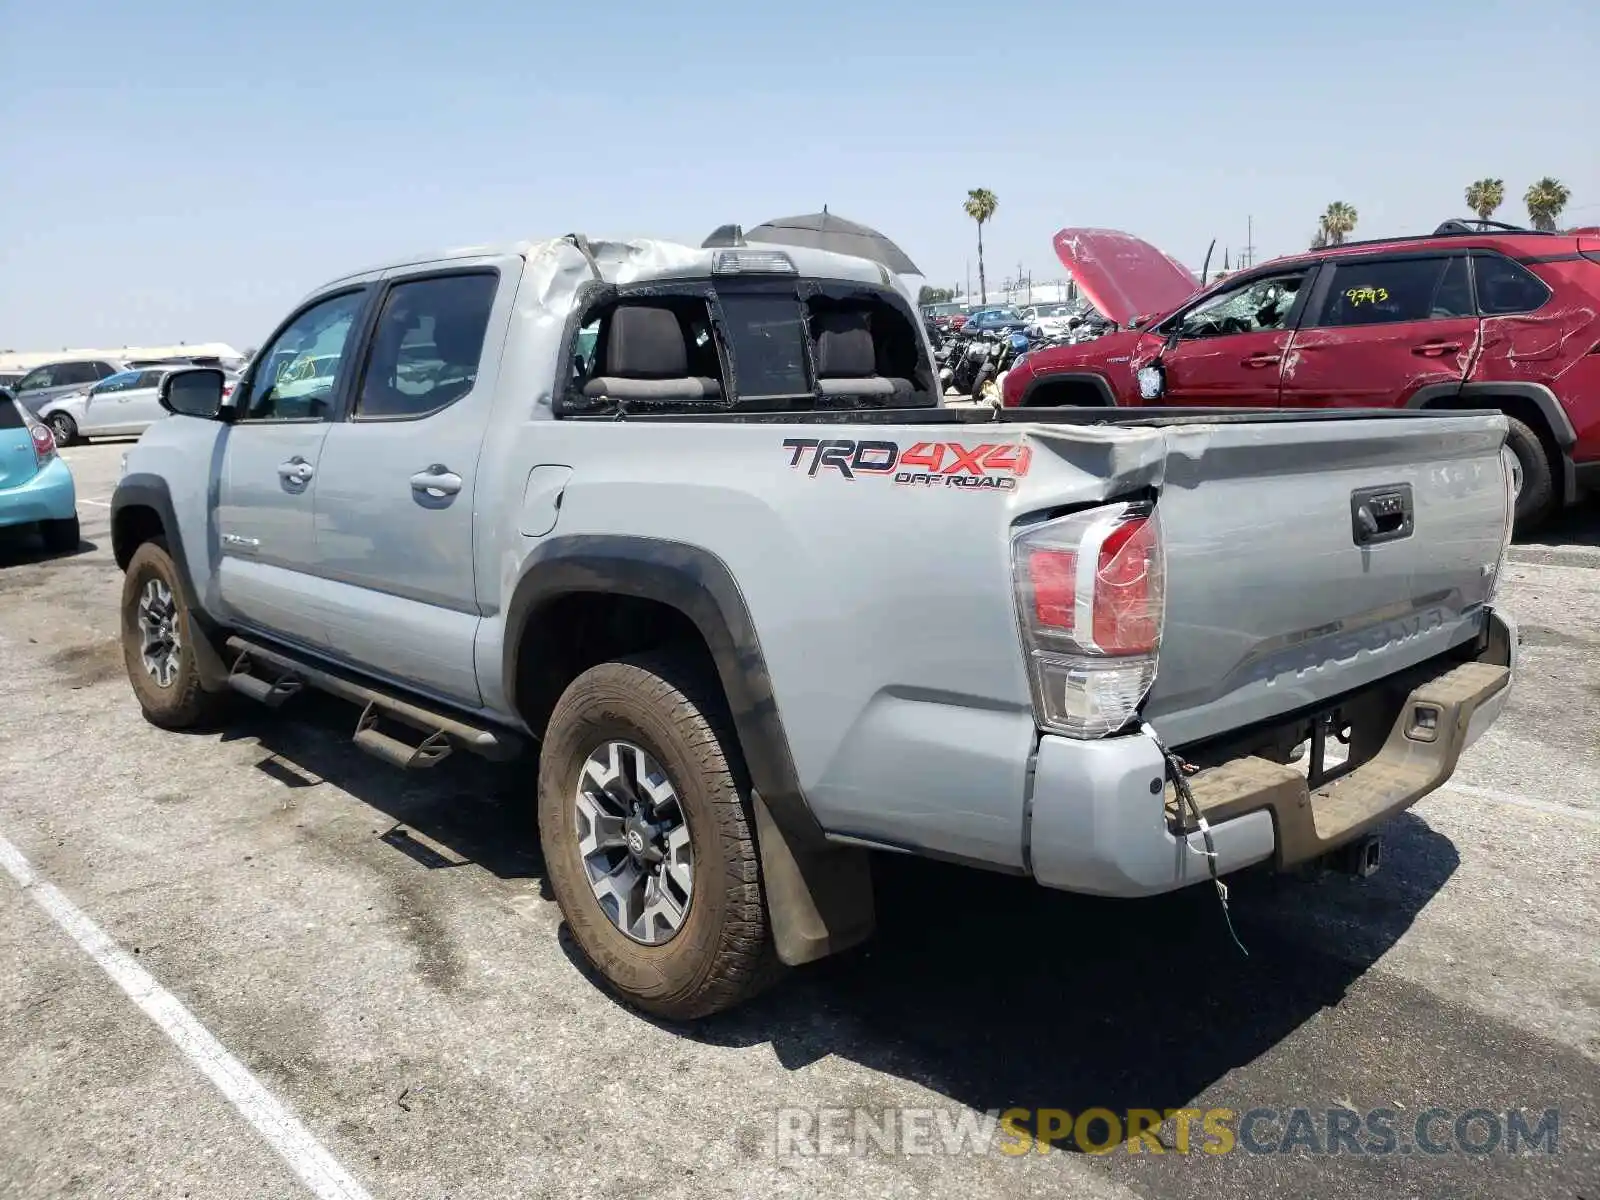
692 530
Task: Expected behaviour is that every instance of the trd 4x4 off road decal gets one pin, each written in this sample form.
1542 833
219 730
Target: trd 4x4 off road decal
988 466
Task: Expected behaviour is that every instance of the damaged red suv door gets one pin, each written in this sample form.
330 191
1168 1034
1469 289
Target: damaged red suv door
1228 349
1381 328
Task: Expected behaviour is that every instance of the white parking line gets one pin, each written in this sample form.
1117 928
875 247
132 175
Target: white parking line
306 1157
96 503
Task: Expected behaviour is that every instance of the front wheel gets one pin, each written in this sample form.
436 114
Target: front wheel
158 640
648 838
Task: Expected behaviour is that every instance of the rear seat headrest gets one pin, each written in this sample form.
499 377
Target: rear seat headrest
844 346
646 342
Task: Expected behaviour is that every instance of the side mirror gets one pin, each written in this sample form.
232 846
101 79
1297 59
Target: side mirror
193 392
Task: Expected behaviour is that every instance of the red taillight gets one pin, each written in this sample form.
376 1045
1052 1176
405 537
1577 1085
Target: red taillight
1125 620
1124 607
44 442
1091 635
1053 574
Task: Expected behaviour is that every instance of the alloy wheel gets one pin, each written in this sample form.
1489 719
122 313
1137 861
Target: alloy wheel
634 842
160 643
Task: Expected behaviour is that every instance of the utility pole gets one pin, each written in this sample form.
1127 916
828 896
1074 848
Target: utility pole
1247 256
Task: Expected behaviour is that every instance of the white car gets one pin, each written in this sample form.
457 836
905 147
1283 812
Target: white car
1050 319
121 405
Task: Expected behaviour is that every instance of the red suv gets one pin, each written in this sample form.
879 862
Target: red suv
1474 316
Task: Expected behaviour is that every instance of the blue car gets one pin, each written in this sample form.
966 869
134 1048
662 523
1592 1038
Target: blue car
35 485
995 320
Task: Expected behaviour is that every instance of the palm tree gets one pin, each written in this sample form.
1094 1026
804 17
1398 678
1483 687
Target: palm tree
1485 196
1545 199
980 206
1339 220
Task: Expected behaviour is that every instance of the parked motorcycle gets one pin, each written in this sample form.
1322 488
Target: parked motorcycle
999 358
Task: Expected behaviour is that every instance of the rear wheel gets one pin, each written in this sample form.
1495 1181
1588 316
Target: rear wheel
1537 499
61 536
158 640
648 838
63 427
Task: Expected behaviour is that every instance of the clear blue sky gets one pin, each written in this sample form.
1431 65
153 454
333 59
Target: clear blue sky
185 171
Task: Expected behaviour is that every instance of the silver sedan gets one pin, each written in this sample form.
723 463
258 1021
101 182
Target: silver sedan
124 404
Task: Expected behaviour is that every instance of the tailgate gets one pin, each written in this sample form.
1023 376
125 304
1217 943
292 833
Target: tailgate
1280 595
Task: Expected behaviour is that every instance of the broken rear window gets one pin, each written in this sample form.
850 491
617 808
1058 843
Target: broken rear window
768 340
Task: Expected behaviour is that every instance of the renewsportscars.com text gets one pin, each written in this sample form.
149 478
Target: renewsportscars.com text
1379 1132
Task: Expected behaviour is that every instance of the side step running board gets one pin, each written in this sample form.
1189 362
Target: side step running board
283 676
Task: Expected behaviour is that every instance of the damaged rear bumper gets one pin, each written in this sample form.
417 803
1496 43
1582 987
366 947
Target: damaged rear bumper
1103 819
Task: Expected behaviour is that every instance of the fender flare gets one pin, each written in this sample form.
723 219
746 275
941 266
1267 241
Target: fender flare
144 490
1093 378
1560 425
1542 397
819 893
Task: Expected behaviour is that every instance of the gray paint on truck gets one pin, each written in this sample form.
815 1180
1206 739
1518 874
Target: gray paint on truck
868 614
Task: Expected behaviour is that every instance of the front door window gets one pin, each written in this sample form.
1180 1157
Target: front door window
297 375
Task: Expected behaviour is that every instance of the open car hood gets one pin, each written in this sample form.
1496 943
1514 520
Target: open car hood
1123 276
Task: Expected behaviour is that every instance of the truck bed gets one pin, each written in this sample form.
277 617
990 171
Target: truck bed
886 608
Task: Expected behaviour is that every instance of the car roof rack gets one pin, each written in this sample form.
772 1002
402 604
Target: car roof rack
1463 225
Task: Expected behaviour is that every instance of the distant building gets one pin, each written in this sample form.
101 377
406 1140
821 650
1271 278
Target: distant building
14 360
1055 292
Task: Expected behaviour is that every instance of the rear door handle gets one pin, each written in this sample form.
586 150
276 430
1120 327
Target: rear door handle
296 470
437 480
1263 360
1435 349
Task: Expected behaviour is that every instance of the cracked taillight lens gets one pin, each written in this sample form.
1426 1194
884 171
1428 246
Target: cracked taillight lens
1091 599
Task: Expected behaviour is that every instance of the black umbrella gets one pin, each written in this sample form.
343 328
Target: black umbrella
824 231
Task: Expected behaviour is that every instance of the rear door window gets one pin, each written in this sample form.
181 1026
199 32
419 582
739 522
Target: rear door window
117 383
10 415
1504 287
1389 291
78 373
427 345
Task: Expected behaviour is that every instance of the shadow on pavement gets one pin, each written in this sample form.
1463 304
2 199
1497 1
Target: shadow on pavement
20 546
1576 526
996 992
984 988
481 811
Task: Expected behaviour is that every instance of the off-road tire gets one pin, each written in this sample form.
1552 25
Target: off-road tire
184 704
1537 500
723 953
60 537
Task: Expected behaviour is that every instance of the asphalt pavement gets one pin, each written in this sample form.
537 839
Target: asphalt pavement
255 946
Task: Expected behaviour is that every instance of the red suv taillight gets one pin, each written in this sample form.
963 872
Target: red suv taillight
1091 596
